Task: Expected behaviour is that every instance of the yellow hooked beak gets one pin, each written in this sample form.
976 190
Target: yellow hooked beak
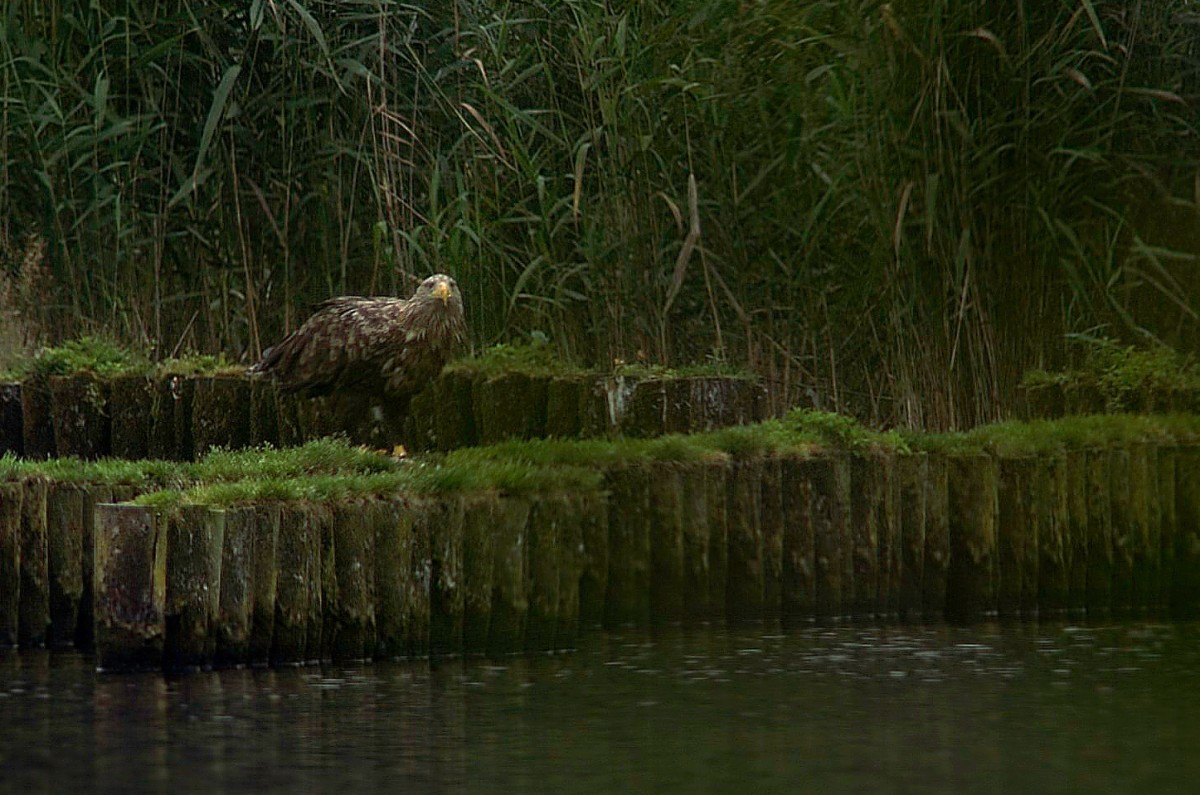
442 291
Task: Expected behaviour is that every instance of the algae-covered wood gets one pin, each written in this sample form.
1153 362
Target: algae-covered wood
912 474
510 596
667 590
1016 567
195 540
1051 506
235 603
65 538
80 416
627 599
130 587
543 564
744 596
393 579
221 413
34 614
11 496
353 625
479 518
1099 532
444 520
130 405
973 506
264 579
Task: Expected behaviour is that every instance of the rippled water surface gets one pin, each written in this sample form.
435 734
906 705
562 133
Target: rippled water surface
851 709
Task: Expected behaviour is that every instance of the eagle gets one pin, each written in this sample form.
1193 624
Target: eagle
384 349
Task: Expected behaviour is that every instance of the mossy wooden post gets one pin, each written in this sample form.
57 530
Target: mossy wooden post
171 423
1185 569
936 575
354 614
235 603
34 625
1075 545
665 482
418 584
323 588
1051 506
511 405
973 507
1168 524
264 412
543 564
570 537
645 410
697 566
746 573
798 596
221 413
11 497
771 517
37 424
130 404
593 576
861 583
1017 539
454 419
716 490
563 398
291 432
1146 517
627 600
479 520
64 544
195 539
446 594
393 521
1099 533
80 416
264 579
1124 528
95 494
829 475
510 601
130 587
887 524
11 433
912 475
297 563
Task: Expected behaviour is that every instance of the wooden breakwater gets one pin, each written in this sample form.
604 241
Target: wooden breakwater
812 534
181 416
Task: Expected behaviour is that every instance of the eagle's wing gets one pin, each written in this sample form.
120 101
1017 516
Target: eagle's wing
335 348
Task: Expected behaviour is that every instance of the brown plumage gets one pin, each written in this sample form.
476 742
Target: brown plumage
372 347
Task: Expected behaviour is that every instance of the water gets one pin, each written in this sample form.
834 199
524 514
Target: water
1019 709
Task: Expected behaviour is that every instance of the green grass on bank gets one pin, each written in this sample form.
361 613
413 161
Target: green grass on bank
331 469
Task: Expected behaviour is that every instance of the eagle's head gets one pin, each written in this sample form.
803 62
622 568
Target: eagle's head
440 287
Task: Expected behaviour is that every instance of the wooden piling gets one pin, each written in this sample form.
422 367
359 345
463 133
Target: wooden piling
195 539
130 403
666 543
973 502
479 520
1099 533
510 601
235 603
418 584
562 406
297 563
353 635
627 599
543 564
697 564
1168 525
746 573
1051 506
323 588
1016 564
264 413
887 525
264 579
570 536
221 413
11 497
130 588
936 575
37 423
34 616
772 520
64 543
1146 533
1124 528
1185 569
11 433
1076 544
593 576
510 405
912 474
79 416
798 596
861 581
829 476
446 595
393 573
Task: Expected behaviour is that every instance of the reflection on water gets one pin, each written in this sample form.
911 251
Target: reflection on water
850 709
